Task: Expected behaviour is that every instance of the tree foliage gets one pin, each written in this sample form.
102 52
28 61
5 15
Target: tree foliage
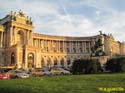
85 66
116 65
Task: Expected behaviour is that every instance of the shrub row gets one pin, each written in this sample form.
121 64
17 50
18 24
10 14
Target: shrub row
91 66
85 66
116 65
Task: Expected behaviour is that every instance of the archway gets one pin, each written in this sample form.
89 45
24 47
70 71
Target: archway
42 62
49 62
55 62
62 62
12 59
68 62
31 60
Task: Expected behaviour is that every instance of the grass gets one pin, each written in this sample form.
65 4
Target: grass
64 84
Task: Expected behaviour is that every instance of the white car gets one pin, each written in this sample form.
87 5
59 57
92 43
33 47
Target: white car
46 72
60 71
21 74
66 72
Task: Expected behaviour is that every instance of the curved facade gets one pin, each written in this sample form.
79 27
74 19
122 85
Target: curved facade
22 48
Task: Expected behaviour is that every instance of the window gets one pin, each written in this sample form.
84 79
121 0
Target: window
61 49
68 50
68 62
20 38
80 50
55 62
31 60
74 50
54 49
49 62
12 59
62 62
42 62
47 49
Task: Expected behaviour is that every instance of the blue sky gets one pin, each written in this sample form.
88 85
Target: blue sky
72 17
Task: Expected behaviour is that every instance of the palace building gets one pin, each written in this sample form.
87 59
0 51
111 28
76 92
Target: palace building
21 47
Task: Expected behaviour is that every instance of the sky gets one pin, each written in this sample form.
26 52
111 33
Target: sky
72 17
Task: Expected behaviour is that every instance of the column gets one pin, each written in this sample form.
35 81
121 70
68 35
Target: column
39 43
82 47
27 35
85 47
31 42
77 50
71 46
4 39
26 61
65 62
1 38
63 46
10 36
89 47
59 46
14 37
52 46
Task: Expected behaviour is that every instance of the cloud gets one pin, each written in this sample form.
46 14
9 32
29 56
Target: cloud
115 24
66 17
76 26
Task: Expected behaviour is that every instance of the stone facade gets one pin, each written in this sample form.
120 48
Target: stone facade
22 48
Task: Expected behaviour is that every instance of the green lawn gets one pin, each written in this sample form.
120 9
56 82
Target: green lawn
64 84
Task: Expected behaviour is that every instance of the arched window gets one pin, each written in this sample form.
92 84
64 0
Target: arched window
20 37
55 62
68 62
12 59
42 62
62 62
49 62
31 60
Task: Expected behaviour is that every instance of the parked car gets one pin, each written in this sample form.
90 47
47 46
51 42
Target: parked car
18 74
46 72
66 72
56 71
3 75
37 73
59 71
12 74
22 74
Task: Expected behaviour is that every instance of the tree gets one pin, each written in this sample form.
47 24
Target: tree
116 65
85 66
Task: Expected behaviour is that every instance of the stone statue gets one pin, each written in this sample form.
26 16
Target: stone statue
100 32
21 13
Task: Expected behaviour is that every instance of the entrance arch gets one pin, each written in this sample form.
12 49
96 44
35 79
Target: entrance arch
31 60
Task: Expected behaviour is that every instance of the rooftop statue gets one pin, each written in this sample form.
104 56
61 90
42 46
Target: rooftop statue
21 13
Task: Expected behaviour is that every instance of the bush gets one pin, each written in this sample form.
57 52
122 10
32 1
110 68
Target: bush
116 65
85 66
